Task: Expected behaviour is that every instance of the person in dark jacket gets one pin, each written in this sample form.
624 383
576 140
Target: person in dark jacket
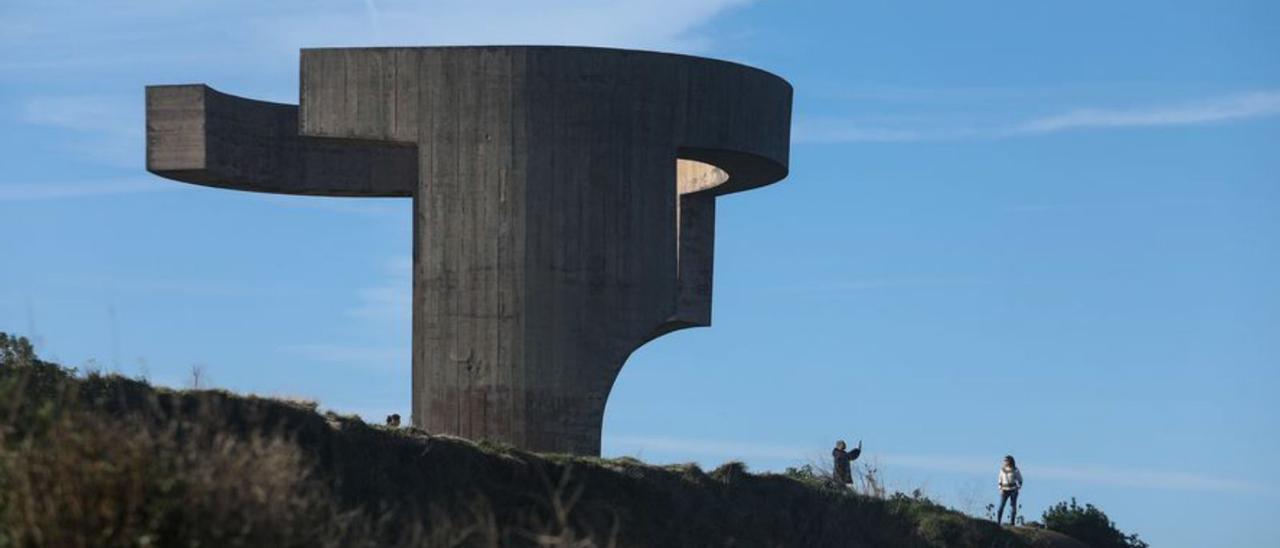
842 459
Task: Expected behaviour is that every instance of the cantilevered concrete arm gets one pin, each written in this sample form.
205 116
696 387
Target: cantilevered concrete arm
199 135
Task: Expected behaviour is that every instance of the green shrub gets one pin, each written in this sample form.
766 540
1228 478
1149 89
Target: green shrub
810 475
1088 524
15 351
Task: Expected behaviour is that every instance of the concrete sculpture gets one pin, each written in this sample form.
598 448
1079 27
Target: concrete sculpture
564 203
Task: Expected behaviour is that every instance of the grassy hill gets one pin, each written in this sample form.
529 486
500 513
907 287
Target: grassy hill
109 461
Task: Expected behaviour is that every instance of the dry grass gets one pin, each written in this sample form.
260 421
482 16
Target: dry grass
70 477
108 461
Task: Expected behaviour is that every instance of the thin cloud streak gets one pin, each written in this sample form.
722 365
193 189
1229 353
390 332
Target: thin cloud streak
264 40
867 284
392 357
1233 107
107 129
391 299
141 283
84 113
1089 474
392 208
661 24
386 305
1241 106
26 192
709 448
268 35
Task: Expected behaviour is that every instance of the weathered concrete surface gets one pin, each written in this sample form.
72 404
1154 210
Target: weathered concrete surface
564 204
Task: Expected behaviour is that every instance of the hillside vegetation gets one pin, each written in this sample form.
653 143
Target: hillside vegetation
93 460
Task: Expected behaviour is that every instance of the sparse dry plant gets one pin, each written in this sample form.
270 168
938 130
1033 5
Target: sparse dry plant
868 480
198 377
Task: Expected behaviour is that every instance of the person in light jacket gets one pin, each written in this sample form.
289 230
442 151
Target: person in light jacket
1010 483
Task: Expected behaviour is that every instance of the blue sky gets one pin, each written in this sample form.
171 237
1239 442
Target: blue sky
1046 229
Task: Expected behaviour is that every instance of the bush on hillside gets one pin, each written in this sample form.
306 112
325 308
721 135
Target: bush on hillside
811 475
1088 524
16 351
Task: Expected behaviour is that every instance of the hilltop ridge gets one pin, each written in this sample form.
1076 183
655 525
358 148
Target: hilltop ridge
110 461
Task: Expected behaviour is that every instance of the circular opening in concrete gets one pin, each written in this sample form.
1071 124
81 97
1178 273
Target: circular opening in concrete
693 176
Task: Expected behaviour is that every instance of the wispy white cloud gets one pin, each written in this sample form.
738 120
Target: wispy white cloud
395 209
707 448
146 283
378 356
838 131
382 314
664 24
22 192
1145 479
864 284
1219 109
1104 475
258 36
133 43
82 112
107 129
390 299
1241 106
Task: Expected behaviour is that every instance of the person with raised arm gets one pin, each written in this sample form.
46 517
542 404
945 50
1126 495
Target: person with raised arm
842 459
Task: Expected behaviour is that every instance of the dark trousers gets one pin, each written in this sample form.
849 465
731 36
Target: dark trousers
1011 497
